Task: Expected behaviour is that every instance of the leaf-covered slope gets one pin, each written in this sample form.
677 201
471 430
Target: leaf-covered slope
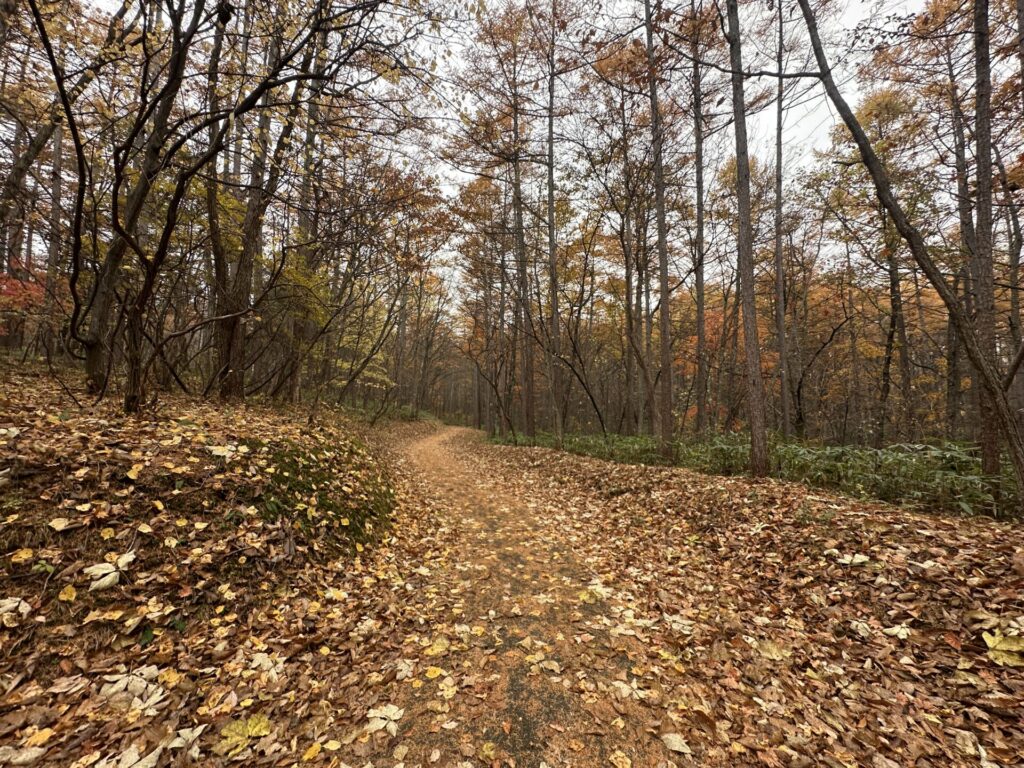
138 555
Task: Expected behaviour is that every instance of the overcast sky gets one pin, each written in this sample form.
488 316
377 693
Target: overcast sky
809 120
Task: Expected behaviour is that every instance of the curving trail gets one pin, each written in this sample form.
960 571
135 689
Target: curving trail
544 671
552 610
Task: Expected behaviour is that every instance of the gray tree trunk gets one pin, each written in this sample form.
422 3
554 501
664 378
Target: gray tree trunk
745 266
665 418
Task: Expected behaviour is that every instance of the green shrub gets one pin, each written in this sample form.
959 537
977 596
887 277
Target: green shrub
640 449
944 477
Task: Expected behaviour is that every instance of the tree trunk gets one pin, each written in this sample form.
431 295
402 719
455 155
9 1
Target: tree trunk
981 264
96 341
974 348
780 284
56 235
953 373
701 384
25 160
524 320
554 329
745 266
1020 43
665 418
264 177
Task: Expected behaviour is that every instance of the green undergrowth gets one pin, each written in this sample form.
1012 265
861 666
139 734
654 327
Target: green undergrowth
942 478
373 414
331 493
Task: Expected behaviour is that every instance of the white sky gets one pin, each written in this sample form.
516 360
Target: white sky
807 125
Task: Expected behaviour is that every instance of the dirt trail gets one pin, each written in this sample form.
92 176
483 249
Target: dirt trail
539 669
574 612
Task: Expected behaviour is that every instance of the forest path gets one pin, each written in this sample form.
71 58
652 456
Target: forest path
522 607
530 674
552 610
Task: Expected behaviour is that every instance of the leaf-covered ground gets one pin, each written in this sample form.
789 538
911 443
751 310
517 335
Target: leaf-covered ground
522 607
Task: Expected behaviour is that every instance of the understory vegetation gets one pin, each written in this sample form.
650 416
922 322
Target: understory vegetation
96 506
328 491
944 477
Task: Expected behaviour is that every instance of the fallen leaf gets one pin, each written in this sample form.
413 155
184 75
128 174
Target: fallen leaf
312 752
676 743
22 556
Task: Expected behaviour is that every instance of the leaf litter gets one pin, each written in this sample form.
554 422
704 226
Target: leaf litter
514 607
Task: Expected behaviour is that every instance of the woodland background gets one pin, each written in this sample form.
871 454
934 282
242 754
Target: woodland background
541 219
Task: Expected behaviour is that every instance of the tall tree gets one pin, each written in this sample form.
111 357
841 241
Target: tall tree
745 254
780 275
666 419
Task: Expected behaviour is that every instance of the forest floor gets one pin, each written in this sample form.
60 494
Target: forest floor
525 608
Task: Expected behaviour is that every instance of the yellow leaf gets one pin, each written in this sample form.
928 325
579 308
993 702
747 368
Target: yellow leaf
439 646
169 677
1003 643
1006 658
312 752
22 556
68 594
39 738
158 504
259 725
238 733
772 650
235 739
133 473
332 745
433 672
1005 651
325 651
59 523
107 533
